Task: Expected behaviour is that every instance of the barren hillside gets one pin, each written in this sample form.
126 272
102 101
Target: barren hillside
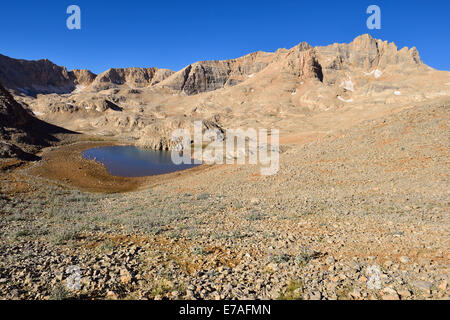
358 214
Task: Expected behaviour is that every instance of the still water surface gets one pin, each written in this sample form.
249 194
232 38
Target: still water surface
130 161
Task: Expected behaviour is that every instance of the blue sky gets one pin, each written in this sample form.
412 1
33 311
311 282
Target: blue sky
173 34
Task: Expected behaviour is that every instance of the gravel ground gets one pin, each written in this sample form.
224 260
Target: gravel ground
358 214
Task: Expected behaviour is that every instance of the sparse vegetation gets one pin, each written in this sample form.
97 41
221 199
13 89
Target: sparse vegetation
190 238
293 291
59 292
161 287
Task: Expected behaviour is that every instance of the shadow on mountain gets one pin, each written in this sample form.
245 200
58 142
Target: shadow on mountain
22 134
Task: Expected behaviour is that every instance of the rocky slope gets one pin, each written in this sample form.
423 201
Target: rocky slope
358 214
21 134
358 209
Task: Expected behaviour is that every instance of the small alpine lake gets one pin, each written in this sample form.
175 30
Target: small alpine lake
131 161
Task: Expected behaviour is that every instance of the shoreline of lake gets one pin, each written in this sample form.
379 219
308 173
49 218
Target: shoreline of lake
65 165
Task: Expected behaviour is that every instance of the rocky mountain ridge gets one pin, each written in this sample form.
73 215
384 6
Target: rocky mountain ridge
31 78
302 90
365 52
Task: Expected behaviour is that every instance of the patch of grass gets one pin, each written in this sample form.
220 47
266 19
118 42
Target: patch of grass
255 216
280 258
17 217
303 259
107 246
199 250
237 205
66 235
59 292
161 288
305 256
294 291
99 139
342 292
78 196
237 235
23 233
203 196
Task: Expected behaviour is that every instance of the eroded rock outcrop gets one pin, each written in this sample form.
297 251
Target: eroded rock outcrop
301 61
33 77
368 54
82 77
207 76
158 135
21 134
134 77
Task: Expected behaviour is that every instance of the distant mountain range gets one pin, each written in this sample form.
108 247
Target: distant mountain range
294 89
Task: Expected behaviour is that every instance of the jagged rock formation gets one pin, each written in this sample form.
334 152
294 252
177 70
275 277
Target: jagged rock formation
56 104
82 77
31 78
301 62
207 76
367 54
134 77
158 135
302 89
41 77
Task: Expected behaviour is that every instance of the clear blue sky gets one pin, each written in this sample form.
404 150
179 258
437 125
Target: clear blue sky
173 34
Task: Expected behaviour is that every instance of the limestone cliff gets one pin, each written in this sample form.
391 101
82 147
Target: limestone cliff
207 76
134 77
33 77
